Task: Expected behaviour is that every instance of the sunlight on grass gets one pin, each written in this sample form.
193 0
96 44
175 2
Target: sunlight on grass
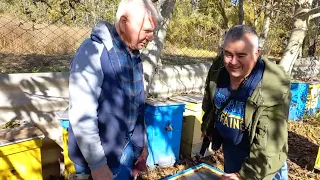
185 51
24 37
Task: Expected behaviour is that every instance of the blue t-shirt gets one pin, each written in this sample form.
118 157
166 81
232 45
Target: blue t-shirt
230 123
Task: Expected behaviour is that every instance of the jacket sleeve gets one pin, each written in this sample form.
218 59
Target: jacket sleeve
206 103
139 136
85 82
269 148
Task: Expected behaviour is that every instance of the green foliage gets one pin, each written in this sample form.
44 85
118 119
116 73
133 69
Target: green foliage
67 12
190 28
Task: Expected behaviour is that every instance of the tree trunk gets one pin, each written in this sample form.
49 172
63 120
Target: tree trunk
255 19
316 38
26 8
194 4
298 34
151 55
266 25
313 48
86 14
257 13
221 39
93 12
241 12
223 14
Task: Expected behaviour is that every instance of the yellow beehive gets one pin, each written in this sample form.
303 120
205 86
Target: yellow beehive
191 126
68 164
192 117
69 167
313 97
317 164
191 141
20 154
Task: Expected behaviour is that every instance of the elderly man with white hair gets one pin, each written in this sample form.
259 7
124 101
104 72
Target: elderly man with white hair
106 91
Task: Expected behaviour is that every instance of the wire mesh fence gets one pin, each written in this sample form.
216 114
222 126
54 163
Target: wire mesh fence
24 37
34 38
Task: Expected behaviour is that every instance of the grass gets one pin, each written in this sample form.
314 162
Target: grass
23 37
185 51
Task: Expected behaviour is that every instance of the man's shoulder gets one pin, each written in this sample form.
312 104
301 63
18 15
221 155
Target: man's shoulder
88 55
275 83
275 73
217 64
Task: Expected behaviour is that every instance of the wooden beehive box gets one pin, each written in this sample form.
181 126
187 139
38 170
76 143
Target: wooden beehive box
20 155
191 140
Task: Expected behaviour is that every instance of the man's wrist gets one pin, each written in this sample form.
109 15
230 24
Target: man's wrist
98 165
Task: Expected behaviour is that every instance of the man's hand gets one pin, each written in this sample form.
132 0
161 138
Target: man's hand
203 135
231 176
144 154
140 164
102 173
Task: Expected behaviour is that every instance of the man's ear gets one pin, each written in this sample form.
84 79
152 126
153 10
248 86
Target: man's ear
122 22
258 52
123 19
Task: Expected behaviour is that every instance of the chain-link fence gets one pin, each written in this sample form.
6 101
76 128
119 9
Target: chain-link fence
26 46
21 36
37 37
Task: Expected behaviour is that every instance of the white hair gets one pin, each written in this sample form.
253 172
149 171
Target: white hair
146 5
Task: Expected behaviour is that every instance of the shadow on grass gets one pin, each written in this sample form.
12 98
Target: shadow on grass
32 63
28 63
171 59
302 151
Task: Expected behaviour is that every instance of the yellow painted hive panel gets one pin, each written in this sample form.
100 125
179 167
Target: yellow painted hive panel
21 160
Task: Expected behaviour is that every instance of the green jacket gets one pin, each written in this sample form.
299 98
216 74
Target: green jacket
266 115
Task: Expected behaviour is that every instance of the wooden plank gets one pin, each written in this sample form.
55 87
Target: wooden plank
191 173
24 131
192 98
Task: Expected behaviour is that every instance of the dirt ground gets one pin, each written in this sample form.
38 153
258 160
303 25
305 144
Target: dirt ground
304 140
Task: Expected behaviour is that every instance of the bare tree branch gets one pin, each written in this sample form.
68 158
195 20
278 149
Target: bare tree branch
305 13
313 16
266 24
241 12
223 13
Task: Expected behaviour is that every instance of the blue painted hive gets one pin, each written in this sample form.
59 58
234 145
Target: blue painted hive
64 119
318 106
164 125
298 101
